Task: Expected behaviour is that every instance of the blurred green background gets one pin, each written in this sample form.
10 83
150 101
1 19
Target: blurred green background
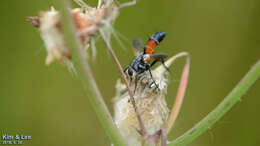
49 103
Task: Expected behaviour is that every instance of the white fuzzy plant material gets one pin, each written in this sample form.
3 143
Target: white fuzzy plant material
53 37
150 103
87 21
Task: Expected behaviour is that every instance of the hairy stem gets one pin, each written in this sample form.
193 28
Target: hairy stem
112 53
86 76
232 98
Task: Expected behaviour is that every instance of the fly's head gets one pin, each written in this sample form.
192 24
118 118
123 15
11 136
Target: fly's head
130 72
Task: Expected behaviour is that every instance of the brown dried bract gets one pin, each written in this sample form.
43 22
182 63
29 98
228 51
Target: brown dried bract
35 21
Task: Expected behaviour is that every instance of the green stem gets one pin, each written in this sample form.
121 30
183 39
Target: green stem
232 98
86 76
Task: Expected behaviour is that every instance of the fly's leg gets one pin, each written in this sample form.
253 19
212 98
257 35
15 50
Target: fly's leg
126 69
136 81
147 66
137 77
131 80
163 63
153 62
153 79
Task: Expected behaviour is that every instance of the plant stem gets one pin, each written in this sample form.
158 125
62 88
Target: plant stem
232 98
112 53
86 76
181 91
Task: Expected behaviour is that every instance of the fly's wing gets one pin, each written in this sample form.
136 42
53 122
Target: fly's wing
137 46
158 57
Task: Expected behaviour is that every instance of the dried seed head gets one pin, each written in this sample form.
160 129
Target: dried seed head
52 35
88 23
87 20
150 102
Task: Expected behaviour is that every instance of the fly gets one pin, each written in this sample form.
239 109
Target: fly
145 60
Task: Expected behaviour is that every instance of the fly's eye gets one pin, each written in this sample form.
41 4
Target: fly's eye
130 72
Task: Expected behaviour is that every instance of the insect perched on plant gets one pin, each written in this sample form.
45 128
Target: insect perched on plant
153 121
144 61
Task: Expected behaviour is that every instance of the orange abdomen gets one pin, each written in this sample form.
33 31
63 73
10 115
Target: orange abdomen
150 45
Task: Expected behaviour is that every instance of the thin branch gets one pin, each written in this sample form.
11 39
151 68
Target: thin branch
232 98
181 91
127 4
86 76
112 53
82 4
164 137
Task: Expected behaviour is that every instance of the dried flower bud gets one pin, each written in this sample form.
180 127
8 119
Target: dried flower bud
150 102
87 25
53 36
48 24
